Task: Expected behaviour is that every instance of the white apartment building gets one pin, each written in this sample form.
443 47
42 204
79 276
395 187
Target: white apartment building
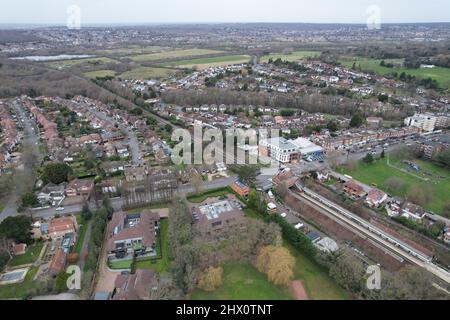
424 121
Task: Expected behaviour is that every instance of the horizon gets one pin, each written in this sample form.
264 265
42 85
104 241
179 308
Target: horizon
137 12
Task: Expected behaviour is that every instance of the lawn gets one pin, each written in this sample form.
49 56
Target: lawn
161 265
294 56
317 282
126 264
379 172
81 235
2 207
174 54
241 281
30 256
198 198
131 50
20 290
204 63
100 74
440 74
147 73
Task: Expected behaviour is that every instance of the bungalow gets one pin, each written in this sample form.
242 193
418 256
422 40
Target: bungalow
19 249
376 198
354 190
52 193
132 234
135 174
412 211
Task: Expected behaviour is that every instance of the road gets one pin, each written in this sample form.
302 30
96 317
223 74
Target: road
117 203
30 140
342 215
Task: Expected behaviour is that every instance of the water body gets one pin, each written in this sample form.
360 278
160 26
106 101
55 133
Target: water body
54 58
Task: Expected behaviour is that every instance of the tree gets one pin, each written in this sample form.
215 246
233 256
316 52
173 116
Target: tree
417 195
368 158
86 213
29 199
348 272
56 173
356 121
382 154
332 126
255 202
17 228
246 173
210 279
444 158
383 98
394 183
277 263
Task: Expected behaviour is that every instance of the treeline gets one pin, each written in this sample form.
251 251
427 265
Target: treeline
310 103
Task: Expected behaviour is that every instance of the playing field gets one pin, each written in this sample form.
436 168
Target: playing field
173 54
131 50
204 63
441 75
433 180
294 56
100 74
147 73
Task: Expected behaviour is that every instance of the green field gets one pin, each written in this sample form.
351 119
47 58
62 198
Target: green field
147 73
30 256
81 235
294 56
198 198
100 74
173 54
379 172
204 63
161 265
242 281
20 290
70 63
125 264
440 74
131 50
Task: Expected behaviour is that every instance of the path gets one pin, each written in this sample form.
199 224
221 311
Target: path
85 247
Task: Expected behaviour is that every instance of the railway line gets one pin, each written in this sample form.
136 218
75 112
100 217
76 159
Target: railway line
387 241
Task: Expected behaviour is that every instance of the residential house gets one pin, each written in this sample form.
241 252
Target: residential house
135 174
240 188
375 198
137 286
132 234
58 262
412 211
354 190
80 187
59 227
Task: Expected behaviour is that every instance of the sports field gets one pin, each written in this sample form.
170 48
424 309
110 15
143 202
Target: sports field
204 63
70 63
173 54
294 56
433 180
441 75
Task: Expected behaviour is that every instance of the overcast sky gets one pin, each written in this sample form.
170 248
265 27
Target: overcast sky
155 11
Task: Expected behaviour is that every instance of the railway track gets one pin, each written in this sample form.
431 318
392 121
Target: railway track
388 242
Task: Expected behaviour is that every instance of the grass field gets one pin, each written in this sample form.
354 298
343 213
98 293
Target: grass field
198 198
131 50
294 56
81 236
317 282
204 63
30 256
173 54
70 63
242 281
20 290
162 265
147 73
126 264
100 74
441 75
379 172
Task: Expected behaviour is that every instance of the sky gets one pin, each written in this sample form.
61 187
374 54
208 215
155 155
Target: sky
216 11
